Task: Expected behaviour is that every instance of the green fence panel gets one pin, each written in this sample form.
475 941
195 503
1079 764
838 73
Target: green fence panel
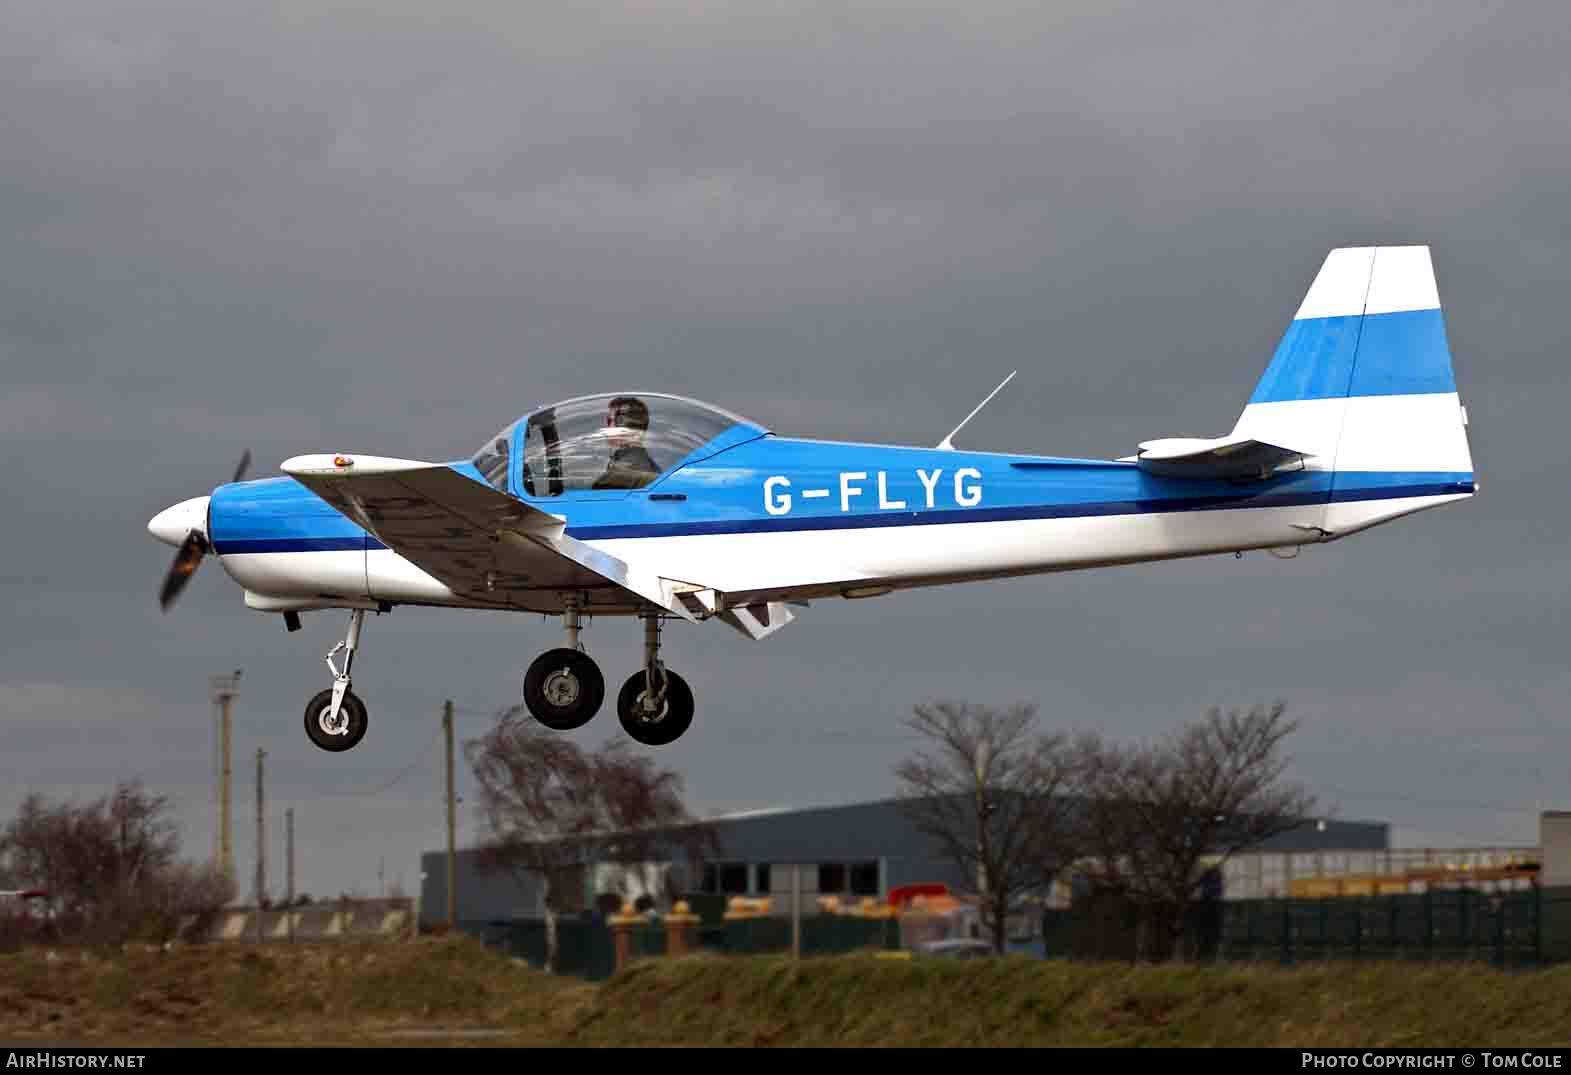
648 940
1510 930
1553 928
759 934
584 949
1507 929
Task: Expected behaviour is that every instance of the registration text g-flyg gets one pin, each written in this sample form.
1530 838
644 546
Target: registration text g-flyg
963 489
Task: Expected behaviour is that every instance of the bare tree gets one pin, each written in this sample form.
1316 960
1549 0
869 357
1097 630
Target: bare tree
110 868
996 795
551 810
1160 817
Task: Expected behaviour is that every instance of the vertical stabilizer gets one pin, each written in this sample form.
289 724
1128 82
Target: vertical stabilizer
1363 380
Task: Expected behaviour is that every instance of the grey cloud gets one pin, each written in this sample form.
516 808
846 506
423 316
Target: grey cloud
297 229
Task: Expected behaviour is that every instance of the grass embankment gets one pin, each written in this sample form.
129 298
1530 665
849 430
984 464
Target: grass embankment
441 991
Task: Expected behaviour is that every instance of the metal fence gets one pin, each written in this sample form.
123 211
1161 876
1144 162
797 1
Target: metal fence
1302 874
1508 929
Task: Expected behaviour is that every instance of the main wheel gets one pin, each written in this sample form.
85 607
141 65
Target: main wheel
352 721
655 727
563 689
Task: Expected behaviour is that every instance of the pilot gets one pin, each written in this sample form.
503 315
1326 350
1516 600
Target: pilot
630 465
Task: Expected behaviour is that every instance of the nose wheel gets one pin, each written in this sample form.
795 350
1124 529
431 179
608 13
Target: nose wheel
340 732
335 719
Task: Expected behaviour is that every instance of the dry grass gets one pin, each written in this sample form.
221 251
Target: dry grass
339 992
452 992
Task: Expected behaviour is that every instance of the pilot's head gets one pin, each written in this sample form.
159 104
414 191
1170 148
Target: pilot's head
627 418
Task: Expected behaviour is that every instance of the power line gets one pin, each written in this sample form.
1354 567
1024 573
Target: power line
405 771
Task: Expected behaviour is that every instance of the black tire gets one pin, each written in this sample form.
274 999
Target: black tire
678 716
316 711
563 689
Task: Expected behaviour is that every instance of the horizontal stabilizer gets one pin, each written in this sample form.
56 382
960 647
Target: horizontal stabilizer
1224 457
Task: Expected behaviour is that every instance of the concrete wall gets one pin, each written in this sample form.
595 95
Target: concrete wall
388 918
1554 839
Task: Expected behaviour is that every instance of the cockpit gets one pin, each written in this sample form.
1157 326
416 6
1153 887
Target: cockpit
607 444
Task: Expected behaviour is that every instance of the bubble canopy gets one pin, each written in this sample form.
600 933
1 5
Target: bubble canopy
607 444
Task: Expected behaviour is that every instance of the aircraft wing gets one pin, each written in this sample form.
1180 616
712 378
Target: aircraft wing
476 540
1224 457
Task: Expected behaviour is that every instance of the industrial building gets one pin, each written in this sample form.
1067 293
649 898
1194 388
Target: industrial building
850 852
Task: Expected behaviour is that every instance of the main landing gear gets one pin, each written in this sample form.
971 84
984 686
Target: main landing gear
564 688
336 718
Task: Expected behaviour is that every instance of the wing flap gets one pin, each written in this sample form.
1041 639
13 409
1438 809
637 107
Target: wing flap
758 620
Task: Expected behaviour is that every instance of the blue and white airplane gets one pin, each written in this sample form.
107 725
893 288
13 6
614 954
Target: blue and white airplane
656 506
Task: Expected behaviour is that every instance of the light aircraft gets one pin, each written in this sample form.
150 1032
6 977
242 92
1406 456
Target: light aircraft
661 507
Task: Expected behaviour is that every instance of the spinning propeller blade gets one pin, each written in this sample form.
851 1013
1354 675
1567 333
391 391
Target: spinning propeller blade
192 550
189 556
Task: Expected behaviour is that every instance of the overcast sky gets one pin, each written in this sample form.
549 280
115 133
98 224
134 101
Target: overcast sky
287 229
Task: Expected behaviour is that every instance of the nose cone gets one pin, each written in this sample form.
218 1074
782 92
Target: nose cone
172 524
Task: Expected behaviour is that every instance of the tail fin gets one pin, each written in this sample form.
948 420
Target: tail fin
1362 383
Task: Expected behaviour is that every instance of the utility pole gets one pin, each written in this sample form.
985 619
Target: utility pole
224 689
981 818
452 824
261 845
289 899
984 861
796 911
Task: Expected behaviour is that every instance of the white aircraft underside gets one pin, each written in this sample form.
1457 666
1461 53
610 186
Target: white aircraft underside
817 564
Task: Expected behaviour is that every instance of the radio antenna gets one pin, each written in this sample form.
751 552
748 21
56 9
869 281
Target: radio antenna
947 444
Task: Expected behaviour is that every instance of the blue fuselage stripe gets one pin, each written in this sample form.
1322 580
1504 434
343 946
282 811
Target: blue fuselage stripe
280 531
296 544
1023 512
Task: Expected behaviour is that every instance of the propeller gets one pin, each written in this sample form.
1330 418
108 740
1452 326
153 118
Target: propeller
189 555
187 559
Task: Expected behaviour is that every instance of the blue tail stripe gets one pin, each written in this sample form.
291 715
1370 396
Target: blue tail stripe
1395 354
1403 354
1313 361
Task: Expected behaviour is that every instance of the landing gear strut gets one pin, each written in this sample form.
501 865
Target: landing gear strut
655 705
563 687
335 719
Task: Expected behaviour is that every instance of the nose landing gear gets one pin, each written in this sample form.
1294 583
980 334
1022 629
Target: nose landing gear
335 719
